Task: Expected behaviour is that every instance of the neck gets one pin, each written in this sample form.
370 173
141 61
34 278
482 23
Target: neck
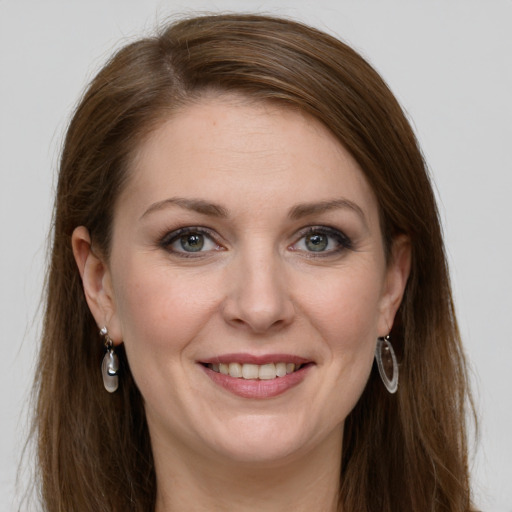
308 483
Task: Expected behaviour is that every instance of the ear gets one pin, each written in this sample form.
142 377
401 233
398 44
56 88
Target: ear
397 273
97 283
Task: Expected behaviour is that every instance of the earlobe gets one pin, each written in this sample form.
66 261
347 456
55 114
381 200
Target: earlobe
397 274
96 279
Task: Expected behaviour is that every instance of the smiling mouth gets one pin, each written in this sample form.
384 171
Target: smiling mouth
257 376
246 371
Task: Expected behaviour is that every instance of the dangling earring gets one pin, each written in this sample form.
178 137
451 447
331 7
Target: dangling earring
387 364
110 364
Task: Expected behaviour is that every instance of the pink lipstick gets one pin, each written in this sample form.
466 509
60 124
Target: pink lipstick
257 376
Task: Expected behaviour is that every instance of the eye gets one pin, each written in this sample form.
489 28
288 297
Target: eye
316 242
322 240
188 241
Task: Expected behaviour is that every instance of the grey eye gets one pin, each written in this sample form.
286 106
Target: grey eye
316 242
188 241
322 240
192 242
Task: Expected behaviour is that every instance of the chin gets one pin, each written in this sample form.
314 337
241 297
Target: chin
263 440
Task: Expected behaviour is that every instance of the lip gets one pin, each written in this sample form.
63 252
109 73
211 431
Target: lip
255 388
243 358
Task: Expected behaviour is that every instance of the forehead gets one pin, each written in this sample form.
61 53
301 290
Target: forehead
229 148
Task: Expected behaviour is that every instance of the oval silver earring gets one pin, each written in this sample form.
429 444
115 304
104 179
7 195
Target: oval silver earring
110 364
387 364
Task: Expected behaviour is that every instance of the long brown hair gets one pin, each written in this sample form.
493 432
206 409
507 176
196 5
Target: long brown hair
400 453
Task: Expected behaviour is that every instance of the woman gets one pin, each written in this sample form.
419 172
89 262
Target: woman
244 216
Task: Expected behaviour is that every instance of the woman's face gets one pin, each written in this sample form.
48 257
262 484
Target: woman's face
247 241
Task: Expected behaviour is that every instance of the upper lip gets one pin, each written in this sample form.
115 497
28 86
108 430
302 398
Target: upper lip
244 358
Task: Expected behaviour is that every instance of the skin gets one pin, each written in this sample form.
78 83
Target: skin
255 288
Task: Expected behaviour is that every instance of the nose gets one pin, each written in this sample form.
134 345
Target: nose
259 297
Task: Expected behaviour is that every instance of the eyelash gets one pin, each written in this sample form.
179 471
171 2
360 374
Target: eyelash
174 236
342 241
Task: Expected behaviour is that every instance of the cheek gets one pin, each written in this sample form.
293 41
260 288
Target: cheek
346 314
161 315
346 310
158 308
353 331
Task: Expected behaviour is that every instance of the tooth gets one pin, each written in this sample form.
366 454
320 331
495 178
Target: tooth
253 371
250 371
267 371
235 370
280 369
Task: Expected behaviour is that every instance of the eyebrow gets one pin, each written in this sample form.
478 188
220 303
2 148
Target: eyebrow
299 211
304 210
196 205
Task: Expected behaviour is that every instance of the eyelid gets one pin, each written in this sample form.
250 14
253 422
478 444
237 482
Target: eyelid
169 237
343 241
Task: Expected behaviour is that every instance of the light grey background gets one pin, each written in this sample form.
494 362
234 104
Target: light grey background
450 64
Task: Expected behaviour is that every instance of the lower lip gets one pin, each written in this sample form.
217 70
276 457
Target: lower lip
255 388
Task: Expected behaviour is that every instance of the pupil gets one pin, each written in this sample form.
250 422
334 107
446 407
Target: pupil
316 242
192 243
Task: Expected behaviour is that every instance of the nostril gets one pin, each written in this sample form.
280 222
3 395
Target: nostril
259 323
258 297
